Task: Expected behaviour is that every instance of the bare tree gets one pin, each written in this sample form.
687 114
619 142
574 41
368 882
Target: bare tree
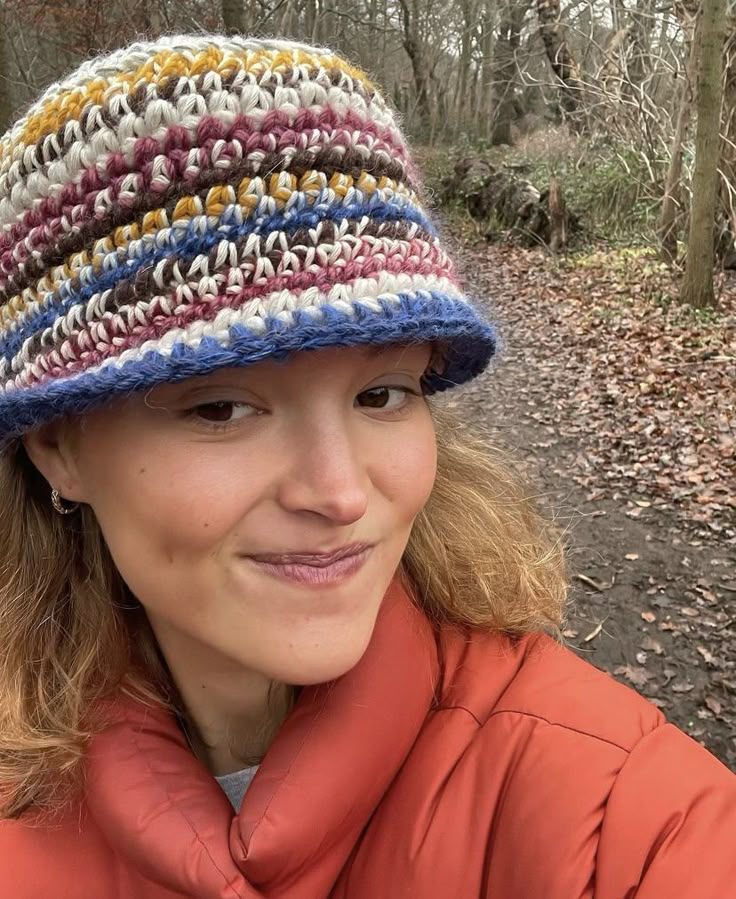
6 99
728 141
560 58
505 71
697 287
483 107
640 49
469 12
452 67
671 202
234 17
417 51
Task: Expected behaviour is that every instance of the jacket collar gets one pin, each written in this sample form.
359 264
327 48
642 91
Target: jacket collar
321 780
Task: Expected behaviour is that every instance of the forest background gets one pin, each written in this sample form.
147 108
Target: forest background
581 156
600 94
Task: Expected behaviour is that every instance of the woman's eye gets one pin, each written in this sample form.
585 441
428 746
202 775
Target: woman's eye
223 412
389 398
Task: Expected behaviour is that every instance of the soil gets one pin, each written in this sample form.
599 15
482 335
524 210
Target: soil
653 597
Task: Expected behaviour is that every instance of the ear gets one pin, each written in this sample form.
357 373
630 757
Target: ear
52 450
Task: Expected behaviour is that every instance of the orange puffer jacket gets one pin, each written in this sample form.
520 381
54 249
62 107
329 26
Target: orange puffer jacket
447 766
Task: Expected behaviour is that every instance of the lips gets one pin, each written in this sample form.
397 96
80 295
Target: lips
316 570
316 560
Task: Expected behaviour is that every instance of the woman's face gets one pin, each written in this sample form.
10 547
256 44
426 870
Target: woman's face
227 501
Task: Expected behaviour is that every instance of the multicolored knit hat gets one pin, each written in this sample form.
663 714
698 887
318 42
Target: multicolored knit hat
200 202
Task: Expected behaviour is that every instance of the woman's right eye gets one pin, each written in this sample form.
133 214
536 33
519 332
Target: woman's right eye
223 412
387 399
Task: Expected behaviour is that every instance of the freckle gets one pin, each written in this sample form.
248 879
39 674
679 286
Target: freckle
206 524
142 471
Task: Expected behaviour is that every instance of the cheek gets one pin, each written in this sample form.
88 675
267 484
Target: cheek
168 513
407 466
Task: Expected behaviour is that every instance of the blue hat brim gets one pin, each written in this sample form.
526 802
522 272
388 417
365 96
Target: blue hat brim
468 343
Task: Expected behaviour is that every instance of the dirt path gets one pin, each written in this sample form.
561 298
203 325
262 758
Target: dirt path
654 597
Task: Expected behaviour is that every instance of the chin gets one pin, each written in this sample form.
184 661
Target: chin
317 657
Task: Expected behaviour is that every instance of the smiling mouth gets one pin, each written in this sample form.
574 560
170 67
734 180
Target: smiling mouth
317 560
316 569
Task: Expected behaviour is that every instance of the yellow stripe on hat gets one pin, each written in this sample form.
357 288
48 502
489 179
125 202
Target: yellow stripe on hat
68 105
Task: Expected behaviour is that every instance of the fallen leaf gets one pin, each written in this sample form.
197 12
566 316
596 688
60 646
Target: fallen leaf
594 633
594 582
682 686
632 557
636 676
649 644
713 704
622 448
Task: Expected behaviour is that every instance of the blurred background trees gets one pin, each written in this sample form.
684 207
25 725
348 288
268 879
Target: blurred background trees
601 95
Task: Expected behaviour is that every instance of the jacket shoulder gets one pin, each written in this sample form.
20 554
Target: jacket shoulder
580 769
538 679
44 857
560 688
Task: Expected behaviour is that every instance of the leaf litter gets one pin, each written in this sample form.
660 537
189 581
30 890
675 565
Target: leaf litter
622 406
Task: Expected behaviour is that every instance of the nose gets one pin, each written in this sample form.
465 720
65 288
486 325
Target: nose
328 474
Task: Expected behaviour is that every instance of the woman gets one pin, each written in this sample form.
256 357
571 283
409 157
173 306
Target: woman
271 625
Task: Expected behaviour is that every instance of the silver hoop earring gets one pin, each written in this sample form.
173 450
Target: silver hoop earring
59 505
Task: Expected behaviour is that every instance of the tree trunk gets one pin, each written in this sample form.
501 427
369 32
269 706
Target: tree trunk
152 19
640 33
233 17
504 72
6 101
311 20
289 25
728 145
462 99
671 200
613 66
560 59
417 56
697 287
557 217
484 92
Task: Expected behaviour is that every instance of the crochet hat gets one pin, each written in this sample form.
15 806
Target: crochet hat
200 202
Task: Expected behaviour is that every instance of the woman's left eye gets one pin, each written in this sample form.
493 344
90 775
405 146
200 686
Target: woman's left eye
223 412
387 398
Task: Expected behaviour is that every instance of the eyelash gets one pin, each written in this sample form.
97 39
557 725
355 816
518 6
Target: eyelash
407 391
220 426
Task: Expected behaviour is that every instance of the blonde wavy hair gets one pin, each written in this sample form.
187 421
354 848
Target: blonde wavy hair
479 556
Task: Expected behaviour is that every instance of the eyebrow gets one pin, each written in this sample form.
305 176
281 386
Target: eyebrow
376 349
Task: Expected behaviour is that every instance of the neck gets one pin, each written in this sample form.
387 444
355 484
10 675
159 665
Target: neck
232 713
229 744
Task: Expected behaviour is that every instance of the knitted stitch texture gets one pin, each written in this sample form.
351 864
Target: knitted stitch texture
200 202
